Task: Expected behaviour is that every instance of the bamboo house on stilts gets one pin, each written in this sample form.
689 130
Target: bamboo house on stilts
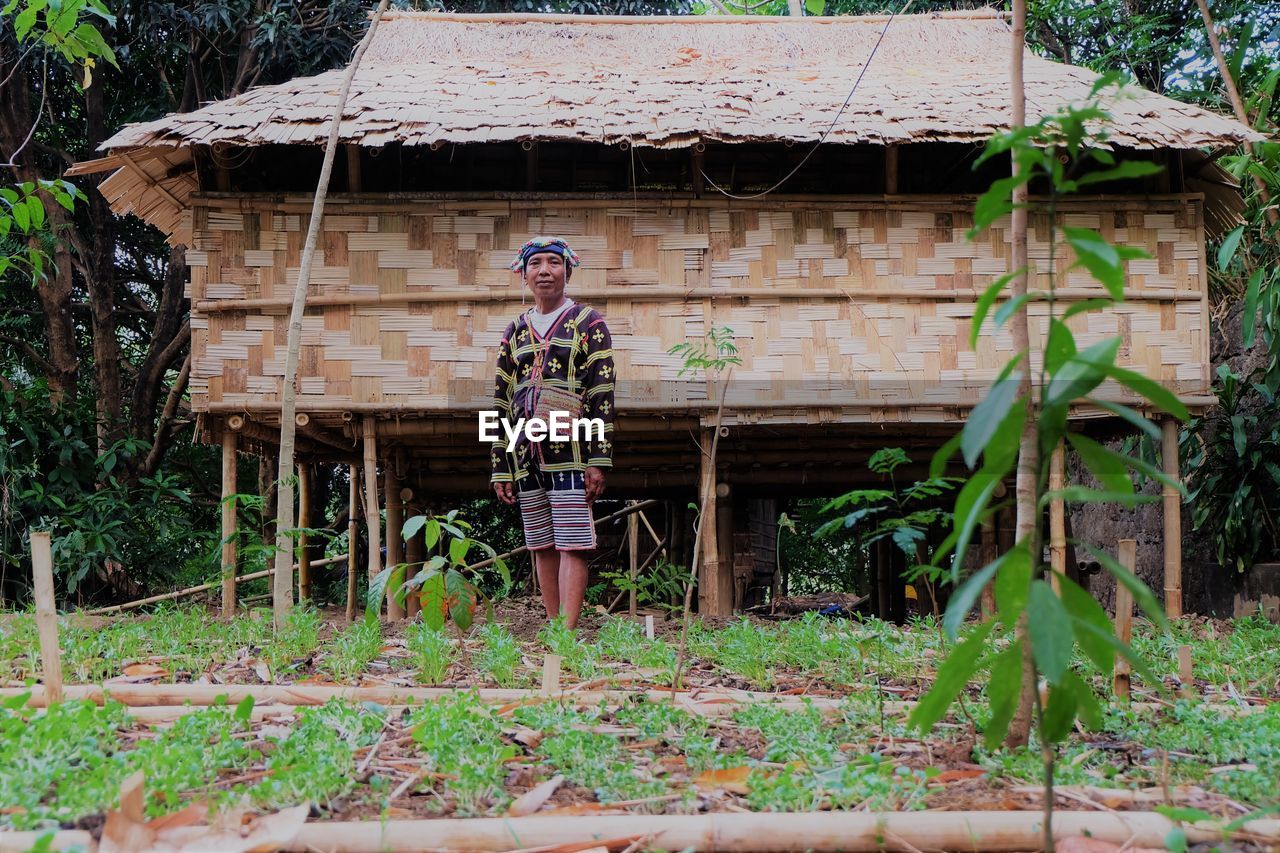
681 159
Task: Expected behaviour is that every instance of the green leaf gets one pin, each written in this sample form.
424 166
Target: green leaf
1251 294
963 599
462 598
997 201
1050 628
1088 709
1085 305
1060 347
1081 374
458 551
1123 411
1229 245
35 210
1127 170
1013 584
1155 393
953 675
1012 306
1083 608
433 533
986 300
986 417
1085 495
971 505
412 526
434 602
1003 691
377 589
244 710
1099 257
942 458
1108 466
815 7
1141 594
1059 713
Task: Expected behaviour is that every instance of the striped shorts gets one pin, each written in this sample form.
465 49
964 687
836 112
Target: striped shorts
554 510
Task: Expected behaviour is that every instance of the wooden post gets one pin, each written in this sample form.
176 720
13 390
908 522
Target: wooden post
633 554
708 590
46 615
989 551
550 675
1172 522
395 541
1185 674
354 182
1057 518
304 521
229 535
353 509
726 589
1124 618
372 516
891 169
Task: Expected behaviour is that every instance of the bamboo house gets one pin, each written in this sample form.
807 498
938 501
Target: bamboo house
681 159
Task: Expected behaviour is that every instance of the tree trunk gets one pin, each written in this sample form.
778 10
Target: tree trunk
100 281
282 587
1028 453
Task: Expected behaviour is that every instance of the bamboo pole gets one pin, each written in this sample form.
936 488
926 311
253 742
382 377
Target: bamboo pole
304 521
1057 518
1128 556
372 515
709 603
353 508
729 831
229 535
633 559
1172 521
415 553
46 614
180 593
282 599
395 541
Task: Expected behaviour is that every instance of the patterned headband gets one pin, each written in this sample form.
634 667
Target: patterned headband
545 244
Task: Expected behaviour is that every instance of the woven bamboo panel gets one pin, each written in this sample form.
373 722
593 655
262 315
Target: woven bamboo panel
858 304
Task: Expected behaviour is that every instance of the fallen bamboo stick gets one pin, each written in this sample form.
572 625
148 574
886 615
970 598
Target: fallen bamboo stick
169 596
727 831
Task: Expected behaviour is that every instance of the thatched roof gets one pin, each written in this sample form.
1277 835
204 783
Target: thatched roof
670 82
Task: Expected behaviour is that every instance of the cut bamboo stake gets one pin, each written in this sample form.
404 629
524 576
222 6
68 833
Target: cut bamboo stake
1128 555
633 559
648 625
304 521
229 537
46 614
395 542
372 515
709 603
550 675
1057 518
1172 520
283 587
353 508
1185 673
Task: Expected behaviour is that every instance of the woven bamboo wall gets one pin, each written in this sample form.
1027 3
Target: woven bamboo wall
864 304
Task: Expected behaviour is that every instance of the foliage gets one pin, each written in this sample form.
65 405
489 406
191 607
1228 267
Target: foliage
353 650
1232 453
449 591
660 586
432 652
904 514
1057 149
499 654
463 742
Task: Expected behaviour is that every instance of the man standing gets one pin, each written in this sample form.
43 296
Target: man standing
557 356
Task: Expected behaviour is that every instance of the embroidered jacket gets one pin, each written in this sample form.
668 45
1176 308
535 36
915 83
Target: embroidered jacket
576 356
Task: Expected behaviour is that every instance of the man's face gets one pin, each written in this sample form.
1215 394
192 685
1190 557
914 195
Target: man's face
545 274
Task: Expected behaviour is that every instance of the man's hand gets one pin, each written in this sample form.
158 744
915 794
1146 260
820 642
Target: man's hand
594 478
504 492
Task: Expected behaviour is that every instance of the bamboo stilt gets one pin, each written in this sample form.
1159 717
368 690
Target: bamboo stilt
353 510
633 559
395 541
373 516
1057 518
708 590
46 614
415 552
1128 556
229 536
304 521
1172 521
989 551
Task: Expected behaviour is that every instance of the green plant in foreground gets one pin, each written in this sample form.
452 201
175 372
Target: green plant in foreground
462 739
499 654
580 658
1046 628
432 651
353 650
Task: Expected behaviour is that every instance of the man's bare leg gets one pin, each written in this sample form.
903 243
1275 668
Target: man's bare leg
548 561
573 585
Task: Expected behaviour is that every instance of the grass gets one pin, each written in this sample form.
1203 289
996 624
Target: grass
499 655
432 652
353 650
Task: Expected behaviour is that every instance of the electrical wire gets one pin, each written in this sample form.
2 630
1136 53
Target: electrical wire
826 132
